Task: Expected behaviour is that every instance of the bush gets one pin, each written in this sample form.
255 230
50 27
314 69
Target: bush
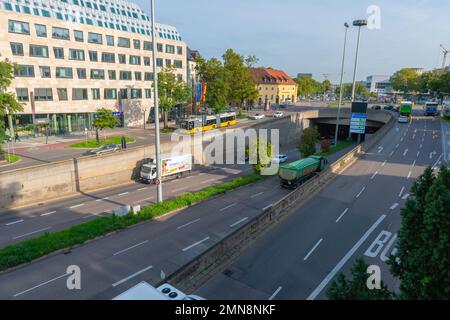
325 145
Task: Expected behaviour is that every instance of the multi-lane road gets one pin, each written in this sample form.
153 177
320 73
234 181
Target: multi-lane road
356 215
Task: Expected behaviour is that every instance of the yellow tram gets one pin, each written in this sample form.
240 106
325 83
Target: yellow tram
199 124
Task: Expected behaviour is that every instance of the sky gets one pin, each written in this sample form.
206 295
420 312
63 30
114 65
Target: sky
307 36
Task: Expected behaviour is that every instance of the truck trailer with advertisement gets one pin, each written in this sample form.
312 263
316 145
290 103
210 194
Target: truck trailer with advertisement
294 174
171 165
145 291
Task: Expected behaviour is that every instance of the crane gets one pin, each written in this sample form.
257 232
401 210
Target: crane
444 61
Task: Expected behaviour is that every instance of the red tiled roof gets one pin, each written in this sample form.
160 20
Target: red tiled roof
271 76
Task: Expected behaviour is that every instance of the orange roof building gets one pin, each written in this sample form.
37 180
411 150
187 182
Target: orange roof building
274 86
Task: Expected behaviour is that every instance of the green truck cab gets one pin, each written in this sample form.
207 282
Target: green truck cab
406 109
294 174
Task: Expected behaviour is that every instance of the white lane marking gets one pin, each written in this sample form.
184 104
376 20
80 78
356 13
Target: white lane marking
30 233
406 151
374 175
76 206
431 155
129 248
421 146
401 192
98 200
392 153
257 195
275 293
123 194
384 163
312 250
238 222
418 154
195 244
209 180
402 139
145 188
414 163
395 205
342 262
409 175
188 224
228 207
40 285
14 222
360 193
437 161
48 213
380 149
398 145
406 196
131 276
342 215
268 207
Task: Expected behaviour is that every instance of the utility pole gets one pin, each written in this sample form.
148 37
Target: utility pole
340 87
359 24
159 195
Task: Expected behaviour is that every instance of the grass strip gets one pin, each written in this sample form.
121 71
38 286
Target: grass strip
94 144
340 146
31 249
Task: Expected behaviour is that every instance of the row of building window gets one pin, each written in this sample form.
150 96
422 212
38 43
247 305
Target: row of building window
46 94
79 54
97 38
67 73
278 89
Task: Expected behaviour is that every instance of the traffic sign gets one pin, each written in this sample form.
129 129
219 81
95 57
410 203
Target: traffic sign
157 182
358 123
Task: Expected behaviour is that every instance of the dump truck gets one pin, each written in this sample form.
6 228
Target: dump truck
294 174
406 109
171 166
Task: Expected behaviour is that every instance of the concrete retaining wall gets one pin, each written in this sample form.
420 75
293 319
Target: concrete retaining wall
218 257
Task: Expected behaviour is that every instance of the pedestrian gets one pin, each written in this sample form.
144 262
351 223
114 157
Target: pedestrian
16 137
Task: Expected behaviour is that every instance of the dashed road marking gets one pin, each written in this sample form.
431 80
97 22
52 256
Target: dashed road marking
342 215
312 250
195 244
238 222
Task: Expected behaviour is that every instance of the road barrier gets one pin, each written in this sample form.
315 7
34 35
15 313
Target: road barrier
192 275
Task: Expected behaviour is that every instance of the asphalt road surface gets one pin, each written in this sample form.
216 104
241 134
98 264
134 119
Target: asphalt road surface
356 215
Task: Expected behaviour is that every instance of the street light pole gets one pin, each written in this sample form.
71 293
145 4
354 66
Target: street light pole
340 87
359 24
159 195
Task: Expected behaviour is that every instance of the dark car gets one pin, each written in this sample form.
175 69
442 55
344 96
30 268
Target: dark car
376 107
390 108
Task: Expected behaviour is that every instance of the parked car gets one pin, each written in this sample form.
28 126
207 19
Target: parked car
106 149
278 114
403 119
390 108
257 116
376 107
280 158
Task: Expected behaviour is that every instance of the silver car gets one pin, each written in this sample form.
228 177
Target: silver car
106 149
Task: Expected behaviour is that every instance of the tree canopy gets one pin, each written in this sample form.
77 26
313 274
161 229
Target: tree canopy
308 141
405 80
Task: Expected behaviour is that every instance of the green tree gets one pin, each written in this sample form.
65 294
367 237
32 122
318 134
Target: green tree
308 142
326 86
104 119
239 78
307 87
360 90
261 151
356 287
171 91
405 80
422 260
8 101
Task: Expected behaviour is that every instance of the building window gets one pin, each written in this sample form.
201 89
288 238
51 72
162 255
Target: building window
65 73
178 64
125 75
179 77
38 51
22 94
45 72
24 71
93 56
79 94
59 53
110 40
97 74
95 94
60 33
81 72
148 76
168 63
123 93
110 94
122 59
135 60
136 93
108 57
137 44
146 61
170 48
159 47
123 42
18 27
148 93
112 74
17 49
76 54
159 62
148 46
138 76
180 50
78 35
41 30
62 94
95 38
43 94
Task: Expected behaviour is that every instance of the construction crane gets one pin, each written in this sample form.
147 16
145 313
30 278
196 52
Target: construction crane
444 61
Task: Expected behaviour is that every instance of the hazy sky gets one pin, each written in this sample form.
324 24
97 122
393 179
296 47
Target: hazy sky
307 35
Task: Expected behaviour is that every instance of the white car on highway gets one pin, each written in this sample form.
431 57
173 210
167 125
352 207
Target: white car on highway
278 114
403 119
280 158
257 116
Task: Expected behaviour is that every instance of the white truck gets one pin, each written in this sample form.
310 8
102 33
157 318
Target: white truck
171 165
145 291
